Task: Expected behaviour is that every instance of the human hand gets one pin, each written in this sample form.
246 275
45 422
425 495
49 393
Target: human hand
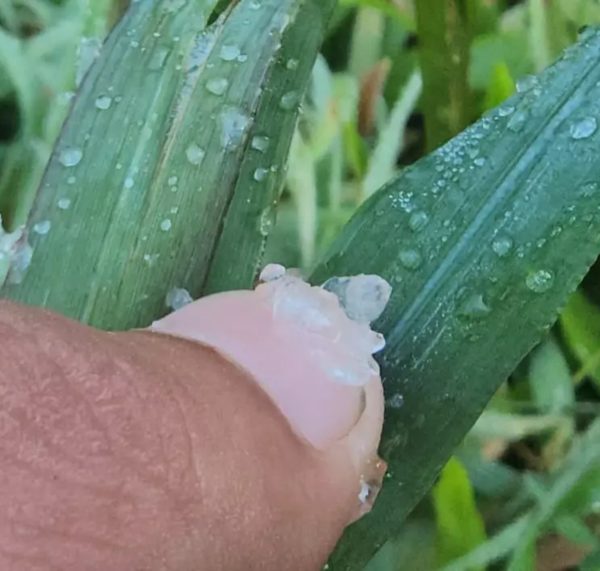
150 451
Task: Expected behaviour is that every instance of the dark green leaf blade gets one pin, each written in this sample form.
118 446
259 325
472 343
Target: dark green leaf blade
483 241
171 159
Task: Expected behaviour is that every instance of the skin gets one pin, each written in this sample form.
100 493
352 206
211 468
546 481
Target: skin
146 451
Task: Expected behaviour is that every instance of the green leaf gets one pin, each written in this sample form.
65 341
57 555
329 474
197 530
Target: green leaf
444 30
580 323
591 562
382 164
550 378
539 43
483 245
501 86
576 531
459 523
386 7
583 460
170 164
492 50
492 550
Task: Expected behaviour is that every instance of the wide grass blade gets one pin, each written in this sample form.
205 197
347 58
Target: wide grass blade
171 160
483 241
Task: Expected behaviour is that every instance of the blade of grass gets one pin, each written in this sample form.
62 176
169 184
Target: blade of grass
483 246
444 42
382 164
171 160
459 524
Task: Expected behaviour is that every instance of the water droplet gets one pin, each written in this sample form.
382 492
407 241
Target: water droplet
502 246
195 155
475 307
517 121
410 259
527 83
506 110
172 180
267 221
150 259
70 156
71 180
217 85
42 227
128 183
539 281
165 225
229 52
292 64
260 174
396 401
583 128
103 102
479 161
589 189
255 4
177 298
289 100
64 203
233 126
260 143
418 220
19 264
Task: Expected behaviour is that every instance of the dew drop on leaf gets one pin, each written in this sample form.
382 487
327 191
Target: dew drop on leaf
502 246
527 83
289 100
506 110
233 126
217 85
396 401
42 227
410 259
229 52
103 102
260 143
583 128
70 156
539 281
589 189
260 174
194 154
418 220
475 307
177 298
517 121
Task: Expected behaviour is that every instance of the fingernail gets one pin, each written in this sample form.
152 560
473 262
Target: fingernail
299 344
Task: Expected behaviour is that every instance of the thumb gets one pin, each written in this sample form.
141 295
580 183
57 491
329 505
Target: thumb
146 450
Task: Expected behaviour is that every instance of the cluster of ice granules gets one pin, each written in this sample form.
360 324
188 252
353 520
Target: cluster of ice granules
310 348
335 319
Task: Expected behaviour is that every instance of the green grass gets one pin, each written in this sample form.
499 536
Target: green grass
529 469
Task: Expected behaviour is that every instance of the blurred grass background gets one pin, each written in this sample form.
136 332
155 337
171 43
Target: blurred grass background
396 78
